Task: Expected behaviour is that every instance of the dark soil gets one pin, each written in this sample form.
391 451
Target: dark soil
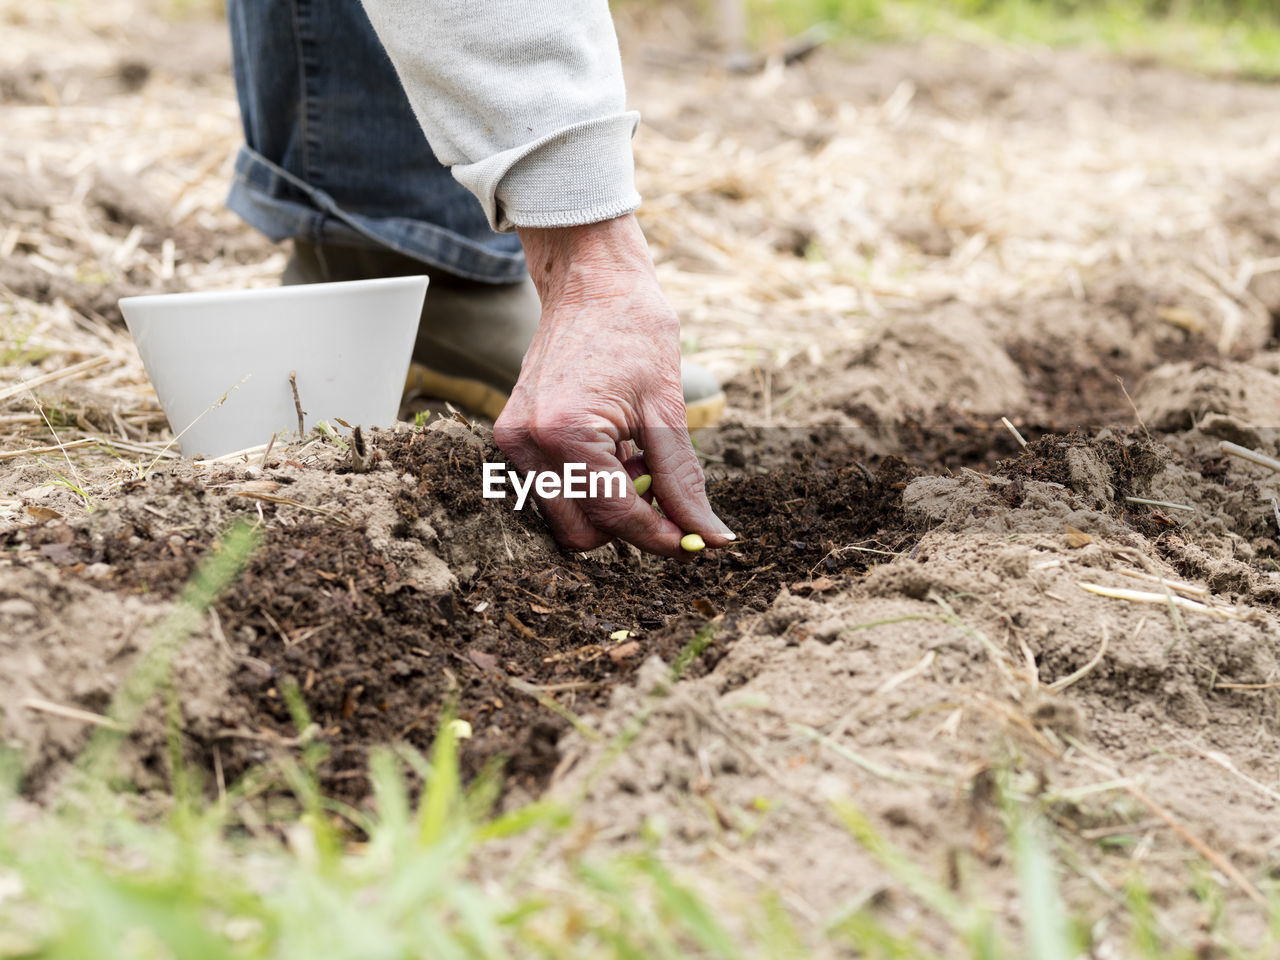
377 658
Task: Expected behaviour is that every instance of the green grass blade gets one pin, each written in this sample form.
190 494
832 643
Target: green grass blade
443 787
1044 917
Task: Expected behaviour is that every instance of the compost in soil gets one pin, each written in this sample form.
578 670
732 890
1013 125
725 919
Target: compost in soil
378 658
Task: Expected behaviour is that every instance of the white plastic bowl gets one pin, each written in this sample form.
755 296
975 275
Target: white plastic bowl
349 343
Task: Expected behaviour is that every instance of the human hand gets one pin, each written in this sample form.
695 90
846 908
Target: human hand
602 372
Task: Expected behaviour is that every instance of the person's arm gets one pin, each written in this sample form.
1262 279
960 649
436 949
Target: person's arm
524 99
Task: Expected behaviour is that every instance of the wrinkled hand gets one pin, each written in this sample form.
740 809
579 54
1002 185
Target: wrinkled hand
603 371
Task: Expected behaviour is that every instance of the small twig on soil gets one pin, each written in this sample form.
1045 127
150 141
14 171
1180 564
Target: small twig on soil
219 777
1161 503
1206 851
1121 829
1033 669
1244 453
297 404
215 628
65 373
1059 685
113 444
901 777
241 455
284 637
986 478
523 629
1136 414
1155 576
333 515
70 713
1091 789
301 740
540 600
459 416
902 676
1014 430
506 541
924 665
262 464
1138 596
744 865
567 686
1275 507
361 457
555 707
1222 760
837 551
54 448
1190 589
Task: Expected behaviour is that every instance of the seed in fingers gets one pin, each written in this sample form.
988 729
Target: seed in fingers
692 543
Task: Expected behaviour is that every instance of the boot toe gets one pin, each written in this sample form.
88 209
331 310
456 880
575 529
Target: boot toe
704 399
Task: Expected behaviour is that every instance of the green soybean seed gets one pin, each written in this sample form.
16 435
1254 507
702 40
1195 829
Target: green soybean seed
642 484
692 543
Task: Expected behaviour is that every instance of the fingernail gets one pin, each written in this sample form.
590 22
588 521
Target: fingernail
642 484
724 530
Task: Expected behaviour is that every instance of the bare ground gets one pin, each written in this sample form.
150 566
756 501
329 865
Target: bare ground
885 252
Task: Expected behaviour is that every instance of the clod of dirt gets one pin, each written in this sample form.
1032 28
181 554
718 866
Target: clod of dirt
1110 465
972 504
1228 428
1177 396
916 359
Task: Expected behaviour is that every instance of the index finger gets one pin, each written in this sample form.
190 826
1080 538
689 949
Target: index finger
629 517
679 484
611 503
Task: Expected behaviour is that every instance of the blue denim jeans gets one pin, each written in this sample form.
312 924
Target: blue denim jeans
333 152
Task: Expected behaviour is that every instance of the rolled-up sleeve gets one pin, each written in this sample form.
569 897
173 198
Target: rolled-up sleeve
523 99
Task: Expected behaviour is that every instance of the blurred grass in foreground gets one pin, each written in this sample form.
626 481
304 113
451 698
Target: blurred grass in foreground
1215 36
253 876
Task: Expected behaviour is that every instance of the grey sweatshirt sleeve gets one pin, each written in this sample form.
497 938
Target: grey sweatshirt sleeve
522 99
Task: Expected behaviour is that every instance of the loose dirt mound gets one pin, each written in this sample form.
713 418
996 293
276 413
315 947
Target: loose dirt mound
386 596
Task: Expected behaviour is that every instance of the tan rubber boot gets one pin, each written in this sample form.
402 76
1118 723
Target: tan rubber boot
473 335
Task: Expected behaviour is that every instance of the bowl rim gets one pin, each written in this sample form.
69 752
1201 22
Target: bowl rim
302 290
